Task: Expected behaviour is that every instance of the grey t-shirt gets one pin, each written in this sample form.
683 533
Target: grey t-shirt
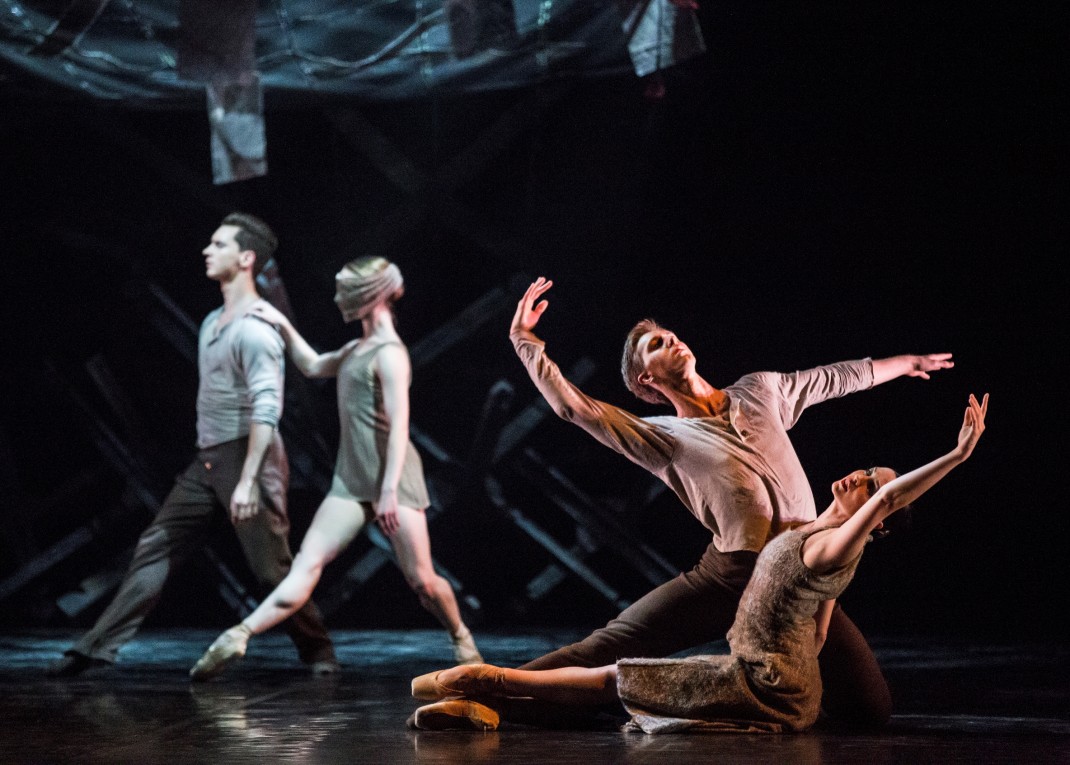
737 474
241 377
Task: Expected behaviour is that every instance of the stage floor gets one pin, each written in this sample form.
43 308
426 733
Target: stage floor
954 703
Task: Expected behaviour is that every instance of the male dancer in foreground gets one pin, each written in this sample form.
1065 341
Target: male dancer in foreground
727 456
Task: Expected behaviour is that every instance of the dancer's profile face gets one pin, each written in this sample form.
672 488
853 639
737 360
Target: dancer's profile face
854 489
663 355
224 257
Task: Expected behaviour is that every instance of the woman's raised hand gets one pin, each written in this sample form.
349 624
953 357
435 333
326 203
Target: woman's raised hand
973 425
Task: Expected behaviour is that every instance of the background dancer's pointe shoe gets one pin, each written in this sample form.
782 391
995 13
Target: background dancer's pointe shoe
456 714
466 680
228 647
325 667
464 648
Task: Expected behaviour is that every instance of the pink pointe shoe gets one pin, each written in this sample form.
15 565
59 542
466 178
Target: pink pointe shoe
456 714
465 680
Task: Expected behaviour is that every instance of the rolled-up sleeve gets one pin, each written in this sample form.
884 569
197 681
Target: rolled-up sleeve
640 441
798 390
261 357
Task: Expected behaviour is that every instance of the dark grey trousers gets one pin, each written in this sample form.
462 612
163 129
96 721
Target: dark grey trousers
194 508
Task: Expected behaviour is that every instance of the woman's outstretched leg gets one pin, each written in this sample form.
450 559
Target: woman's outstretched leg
582 686
336 523
412 545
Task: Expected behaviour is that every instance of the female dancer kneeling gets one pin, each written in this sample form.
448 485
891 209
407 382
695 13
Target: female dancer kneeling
770 680
378 474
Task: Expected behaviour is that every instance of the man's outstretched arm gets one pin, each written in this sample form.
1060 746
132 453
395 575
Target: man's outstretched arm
802 389
910 366
614 427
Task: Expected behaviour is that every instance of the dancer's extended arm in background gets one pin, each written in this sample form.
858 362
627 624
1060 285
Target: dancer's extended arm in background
304 356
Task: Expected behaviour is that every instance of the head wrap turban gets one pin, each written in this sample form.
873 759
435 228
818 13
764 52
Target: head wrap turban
354 294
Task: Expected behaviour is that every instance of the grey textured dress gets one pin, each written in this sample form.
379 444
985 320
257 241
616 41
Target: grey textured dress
770 682
358 471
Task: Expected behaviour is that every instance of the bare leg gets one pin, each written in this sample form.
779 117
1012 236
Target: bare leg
412 545
567 685
336 523
584 686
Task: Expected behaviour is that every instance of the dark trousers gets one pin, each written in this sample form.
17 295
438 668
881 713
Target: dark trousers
698 607
198 503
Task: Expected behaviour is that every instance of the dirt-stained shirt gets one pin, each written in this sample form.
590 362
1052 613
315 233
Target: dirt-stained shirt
738 474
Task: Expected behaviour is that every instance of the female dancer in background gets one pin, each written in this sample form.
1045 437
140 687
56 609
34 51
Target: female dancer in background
378 474
770 681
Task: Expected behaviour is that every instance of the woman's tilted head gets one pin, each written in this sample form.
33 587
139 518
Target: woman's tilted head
854 490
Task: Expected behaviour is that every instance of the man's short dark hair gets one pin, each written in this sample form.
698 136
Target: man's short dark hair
253 234
631 367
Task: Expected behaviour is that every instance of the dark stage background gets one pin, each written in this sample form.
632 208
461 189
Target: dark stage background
828 181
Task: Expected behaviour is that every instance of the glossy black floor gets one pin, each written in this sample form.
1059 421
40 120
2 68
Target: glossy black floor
955 703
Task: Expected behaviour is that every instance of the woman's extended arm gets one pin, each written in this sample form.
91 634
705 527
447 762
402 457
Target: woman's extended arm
304 356
842 545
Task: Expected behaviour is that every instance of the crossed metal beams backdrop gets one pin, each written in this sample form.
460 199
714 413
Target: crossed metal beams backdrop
497 457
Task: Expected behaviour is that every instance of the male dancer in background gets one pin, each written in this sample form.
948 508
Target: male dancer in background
240 468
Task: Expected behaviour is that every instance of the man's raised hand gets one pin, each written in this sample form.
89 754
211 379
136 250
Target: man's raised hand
528 312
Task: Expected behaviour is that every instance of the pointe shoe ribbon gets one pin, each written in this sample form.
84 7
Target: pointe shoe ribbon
465 680
228 647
